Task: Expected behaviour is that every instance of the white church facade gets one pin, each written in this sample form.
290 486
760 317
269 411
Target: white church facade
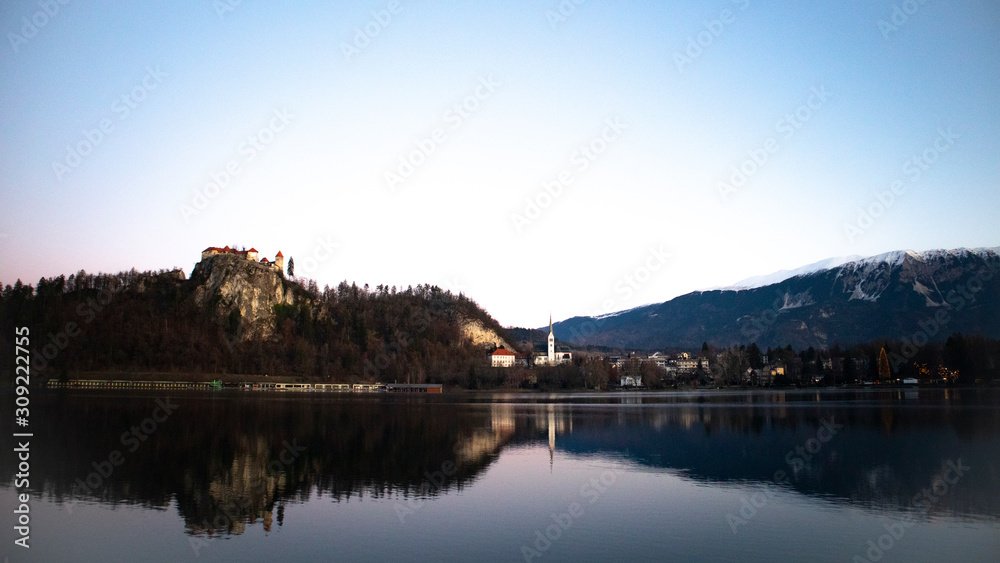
553 358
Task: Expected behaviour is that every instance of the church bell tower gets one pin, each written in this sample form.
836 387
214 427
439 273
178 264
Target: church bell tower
552 343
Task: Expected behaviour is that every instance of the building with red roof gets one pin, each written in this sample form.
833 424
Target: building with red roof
278 263
502 358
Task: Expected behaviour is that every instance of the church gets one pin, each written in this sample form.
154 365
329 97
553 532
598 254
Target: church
553 358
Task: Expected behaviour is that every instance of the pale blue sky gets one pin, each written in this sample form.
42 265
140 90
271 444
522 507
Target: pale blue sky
553 86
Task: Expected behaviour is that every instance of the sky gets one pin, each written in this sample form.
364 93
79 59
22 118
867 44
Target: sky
545 157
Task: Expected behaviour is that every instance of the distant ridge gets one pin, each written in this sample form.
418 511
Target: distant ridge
891 295
782 275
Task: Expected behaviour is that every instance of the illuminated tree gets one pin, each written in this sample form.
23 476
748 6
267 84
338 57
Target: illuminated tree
883 366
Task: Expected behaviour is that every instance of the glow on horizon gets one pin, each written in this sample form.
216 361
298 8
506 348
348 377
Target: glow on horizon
698 90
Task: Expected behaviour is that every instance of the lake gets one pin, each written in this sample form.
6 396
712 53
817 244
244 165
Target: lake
839 475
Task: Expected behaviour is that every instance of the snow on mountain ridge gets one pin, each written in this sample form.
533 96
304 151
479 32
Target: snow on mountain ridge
869 277
896 257
893 258
782 275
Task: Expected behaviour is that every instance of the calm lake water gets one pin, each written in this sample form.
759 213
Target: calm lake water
851 475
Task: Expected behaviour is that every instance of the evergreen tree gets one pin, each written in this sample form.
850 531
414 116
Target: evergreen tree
291 266
754 356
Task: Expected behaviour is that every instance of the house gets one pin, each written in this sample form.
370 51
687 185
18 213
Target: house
691 364
501 358
661 360
631 381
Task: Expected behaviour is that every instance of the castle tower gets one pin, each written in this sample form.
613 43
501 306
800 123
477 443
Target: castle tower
552 343
279 259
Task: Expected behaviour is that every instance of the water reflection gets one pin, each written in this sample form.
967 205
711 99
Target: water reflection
228 461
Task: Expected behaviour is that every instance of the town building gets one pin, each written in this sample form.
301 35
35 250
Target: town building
501 358
631 381
691 364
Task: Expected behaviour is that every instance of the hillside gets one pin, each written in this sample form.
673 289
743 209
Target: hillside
235 317
897 295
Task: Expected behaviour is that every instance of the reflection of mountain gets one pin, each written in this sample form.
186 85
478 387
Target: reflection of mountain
889 448
230 460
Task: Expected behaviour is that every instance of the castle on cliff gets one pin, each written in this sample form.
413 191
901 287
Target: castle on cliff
277 264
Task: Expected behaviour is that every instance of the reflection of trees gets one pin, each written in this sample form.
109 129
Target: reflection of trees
221 458
218 458
890 448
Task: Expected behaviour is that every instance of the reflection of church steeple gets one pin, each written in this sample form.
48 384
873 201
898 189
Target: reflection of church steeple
552 436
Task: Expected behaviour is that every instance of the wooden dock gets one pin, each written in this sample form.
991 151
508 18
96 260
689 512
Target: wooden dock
123 384
128 384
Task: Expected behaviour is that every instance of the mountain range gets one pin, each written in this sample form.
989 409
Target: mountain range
901 295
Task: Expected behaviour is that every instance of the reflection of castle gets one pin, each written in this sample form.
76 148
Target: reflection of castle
278 264
553 358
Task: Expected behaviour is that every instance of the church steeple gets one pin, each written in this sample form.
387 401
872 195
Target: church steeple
552 343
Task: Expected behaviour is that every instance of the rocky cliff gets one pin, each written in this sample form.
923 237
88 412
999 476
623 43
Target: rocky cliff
241 294
479 334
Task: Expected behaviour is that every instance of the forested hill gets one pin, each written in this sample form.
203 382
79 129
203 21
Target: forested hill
234 317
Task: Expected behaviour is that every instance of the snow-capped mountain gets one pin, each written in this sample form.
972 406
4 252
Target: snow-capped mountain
782 275
901 294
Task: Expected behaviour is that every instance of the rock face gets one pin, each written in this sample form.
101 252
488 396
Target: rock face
241 294
479 334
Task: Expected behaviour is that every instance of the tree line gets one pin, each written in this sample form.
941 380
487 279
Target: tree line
148 322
